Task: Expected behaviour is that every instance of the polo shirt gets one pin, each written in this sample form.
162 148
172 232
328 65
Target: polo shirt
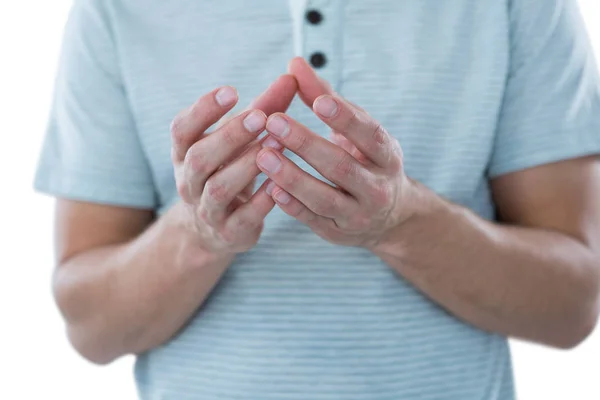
472 89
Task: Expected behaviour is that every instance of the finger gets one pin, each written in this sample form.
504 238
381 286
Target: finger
228 183
345 144
330 160
190 124
341 141
310 85
249 189
369 136
318 196
250 215
278 96
207 155
294 208
267 141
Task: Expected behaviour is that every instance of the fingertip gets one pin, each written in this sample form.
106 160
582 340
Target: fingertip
326 106
278 96
277 119
298 67
226 96
281 196
259 157
289 78
269 186
277 114
310 85
294 85
264 151
260 113
294 63
255 121
278 125
271 142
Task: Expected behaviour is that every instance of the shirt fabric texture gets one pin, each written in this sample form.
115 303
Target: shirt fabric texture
472 89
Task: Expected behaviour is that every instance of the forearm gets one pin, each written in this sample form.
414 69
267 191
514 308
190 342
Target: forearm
533 284
131 297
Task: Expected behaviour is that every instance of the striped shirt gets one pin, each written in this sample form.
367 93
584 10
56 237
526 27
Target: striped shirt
473 89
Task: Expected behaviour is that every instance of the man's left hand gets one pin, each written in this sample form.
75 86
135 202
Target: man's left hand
372 195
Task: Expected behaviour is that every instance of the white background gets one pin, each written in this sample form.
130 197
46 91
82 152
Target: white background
35 359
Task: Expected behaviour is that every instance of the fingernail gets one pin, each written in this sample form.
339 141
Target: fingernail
254 122
282 197
326 106
226 96
270 187
278 126
272 143
269 162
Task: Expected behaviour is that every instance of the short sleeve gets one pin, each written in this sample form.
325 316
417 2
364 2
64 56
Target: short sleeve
551 107
91 151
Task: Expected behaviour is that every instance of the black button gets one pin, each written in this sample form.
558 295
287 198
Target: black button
314 17
318 60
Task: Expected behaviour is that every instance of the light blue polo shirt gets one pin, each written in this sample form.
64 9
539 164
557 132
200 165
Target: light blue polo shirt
473 89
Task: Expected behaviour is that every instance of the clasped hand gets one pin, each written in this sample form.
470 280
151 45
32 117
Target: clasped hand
215 173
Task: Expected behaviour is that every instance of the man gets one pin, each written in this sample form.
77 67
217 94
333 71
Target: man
457 204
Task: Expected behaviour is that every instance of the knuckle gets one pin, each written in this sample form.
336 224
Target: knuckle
292 180
178 138
303 143
183 190
379 134
333 235
396 157
395 164
176 127
174 154
378 137
203 219
380 194
229 136
216 191
227 237
352 121
344 165
246 224
326 206
203 216
359 222
195 161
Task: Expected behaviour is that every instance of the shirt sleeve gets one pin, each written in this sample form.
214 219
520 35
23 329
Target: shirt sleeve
91 151
551 106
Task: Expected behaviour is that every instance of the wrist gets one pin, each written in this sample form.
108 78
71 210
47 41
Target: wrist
192 252
421 207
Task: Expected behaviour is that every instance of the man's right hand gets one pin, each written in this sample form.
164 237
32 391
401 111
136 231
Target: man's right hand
215 172
125 283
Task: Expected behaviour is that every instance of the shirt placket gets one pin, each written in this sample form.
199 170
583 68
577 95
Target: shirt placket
318 36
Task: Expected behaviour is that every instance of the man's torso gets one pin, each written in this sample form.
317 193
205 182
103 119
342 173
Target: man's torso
296 317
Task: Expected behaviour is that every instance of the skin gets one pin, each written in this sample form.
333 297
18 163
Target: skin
126 283
541 277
